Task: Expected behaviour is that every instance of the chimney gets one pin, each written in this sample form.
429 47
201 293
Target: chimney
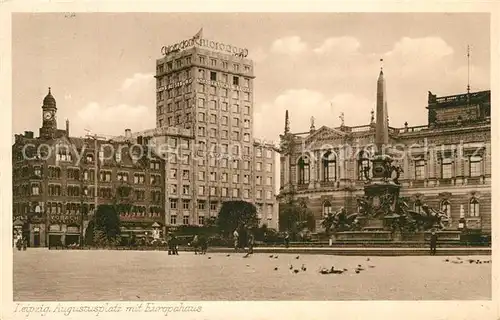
139 140
28 134
67 127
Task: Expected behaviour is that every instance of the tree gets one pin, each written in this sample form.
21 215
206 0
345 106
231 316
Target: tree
106 226
294 215
236 215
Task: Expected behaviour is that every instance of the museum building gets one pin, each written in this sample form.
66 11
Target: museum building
446 163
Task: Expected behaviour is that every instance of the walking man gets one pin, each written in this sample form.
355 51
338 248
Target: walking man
433 243
236 239
287 239
251 242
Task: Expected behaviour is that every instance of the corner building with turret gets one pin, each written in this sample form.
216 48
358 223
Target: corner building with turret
446 163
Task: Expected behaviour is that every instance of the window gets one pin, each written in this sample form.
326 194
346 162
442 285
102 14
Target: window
212 105
236 67
213 118
212 90
185 189
201 103
259 194
170 121
446 168
327 209
223 92
173 189
185 159
201 117
236 95
246 138
269 167
223 163
269 181
258 180
201 175
213 75
474 208
236 135
475 164
364 165
236 151
173 219
246 165
201 161
172 158
213 176
235 108
246 83
246 178
420 169
213 133
258 152
201 190
246 193
173 203
185 204
224 120
212 161
236 164
236 122
35 189
224 65
201 204
329 166
223 177
269 195
185 174
236 81
201 88
224 134
201 131
236 178
213 206
224 192
236 192
246 97
303 170
258 166
446 207
185 220
224 106
201 220
213 191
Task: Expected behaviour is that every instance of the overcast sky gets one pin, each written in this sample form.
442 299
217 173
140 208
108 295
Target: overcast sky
101 66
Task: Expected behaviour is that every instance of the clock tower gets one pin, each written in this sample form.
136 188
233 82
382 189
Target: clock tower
49 121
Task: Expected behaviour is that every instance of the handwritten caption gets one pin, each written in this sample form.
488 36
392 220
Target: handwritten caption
98 309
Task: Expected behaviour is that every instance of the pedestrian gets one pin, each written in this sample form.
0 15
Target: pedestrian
287 239
25 244
195 243
251 242
433 242
236 239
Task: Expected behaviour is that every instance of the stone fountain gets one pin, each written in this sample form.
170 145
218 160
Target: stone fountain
383 214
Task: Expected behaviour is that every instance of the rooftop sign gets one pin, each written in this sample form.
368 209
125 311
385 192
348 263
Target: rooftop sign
204 43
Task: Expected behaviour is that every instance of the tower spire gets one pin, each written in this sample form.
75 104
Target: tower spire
287 122
468 69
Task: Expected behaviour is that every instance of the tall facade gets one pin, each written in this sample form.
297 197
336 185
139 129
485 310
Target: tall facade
209 92
446 163
55 183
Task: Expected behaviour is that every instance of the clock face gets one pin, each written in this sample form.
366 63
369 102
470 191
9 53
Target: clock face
47 115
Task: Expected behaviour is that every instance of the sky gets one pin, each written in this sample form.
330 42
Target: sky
100 66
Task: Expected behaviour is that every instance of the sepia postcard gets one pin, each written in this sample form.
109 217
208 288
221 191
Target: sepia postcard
213 160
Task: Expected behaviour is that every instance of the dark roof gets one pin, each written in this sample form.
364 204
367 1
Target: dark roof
49 100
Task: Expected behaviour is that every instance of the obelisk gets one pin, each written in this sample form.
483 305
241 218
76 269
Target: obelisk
382 129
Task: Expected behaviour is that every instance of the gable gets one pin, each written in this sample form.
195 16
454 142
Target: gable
325 134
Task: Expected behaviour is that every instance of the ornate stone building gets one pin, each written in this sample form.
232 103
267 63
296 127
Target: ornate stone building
54 183
446 163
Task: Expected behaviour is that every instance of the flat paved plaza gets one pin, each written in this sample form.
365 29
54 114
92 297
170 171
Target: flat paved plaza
43 275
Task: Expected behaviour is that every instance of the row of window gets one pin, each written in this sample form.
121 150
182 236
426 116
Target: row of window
202 88
178 63
223 162
224 77
330 168
224 192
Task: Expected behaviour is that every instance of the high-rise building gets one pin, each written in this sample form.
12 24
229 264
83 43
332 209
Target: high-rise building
206 88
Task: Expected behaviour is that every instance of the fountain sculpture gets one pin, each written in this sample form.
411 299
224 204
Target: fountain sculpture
382 213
